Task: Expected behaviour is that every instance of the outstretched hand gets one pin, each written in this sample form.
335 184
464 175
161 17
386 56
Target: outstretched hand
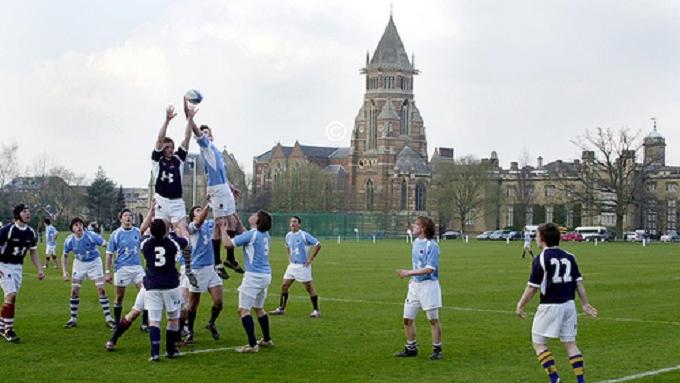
170 113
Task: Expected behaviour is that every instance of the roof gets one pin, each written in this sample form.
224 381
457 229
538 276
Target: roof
410 161
388 112
343 152
336 169
310 151
390 53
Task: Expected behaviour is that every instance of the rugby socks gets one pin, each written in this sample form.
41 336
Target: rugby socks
122 326
545 358
191 318
411 345
117 311
8 316
437 347
104 302
283 300
172 338
75 302
216 244
231 258
145 318
315 302
155 338
249 326
215 312
264 325
577 364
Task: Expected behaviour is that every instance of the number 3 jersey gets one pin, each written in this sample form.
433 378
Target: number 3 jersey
15 242
555 273
160 255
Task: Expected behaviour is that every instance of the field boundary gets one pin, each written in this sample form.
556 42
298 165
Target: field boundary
641 375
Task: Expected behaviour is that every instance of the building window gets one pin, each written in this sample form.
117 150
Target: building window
511 191
548 214
369 195
403 128
569 191
651 187
470 219
672 215
510 218
651 217
608 219
404 194
569 217
372 126
549 192
529 216
672 187
420 196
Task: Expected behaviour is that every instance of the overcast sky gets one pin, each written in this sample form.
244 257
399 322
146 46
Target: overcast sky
87 81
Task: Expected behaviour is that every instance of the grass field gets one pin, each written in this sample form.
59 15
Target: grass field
634 288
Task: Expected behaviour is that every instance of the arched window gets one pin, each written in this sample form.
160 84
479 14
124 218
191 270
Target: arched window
404 194
369 195
372 138
404 118
420 196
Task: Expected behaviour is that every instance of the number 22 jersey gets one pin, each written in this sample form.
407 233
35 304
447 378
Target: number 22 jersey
555 273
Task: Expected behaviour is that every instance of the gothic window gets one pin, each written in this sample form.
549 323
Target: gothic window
510 216
550 192
404 194
549 213
369 195
672 215
570 217
651 217
404 118
529 216
372 126
420 196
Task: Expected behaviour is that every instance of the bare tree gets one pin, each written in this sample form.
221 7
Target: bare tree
9 166
303 187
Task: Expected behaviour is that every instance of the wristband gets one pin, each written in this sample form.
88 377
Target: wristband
108 271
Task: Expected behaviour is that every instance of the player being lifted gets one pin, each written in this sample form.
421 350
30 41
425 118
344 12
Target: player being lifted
221 194
87 264
299 266
556 275
203 266
50 243
424 291
16 239
253 290
124 243
168 167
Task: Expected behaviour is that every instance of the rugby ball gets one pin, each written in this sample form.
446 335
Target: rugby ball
193 96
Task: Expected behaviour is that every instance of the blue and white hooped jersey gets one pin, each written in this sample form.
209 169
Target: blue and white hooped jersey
255 250
215 168
51 235
425 253
555 273
85 247
125 244
202 253
297 244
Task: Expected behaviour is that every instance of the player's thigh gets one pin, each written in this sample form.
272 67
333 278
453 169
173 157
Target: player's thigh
172 299
547 322
11 279
569 327
429 295
139 300
95 271
412 303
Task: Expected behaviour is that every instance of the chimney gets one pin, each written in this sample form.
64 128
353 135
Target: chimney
539 162
514 166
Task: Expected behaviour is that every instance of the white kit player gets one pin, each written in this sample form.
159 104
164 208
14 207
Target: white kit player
527 244
50 243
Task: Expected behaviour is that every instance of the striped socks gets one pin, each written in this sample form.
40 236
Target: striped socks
545 358
75 302
577 364
104 302
7 316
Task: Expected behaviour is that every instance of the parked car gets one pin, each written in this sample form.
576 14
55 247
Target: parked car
485 235
572 236
670 236
592 233
515 235
629 236
451 234
499 235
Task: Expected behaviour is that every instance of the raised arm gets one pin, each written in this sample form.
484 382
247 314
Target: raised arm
587 308
190 112
148 218
204 215
169 115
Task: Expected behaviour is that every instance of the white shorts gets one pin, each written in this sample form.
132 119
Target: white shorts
171 210
207 278
298 272
157 300
253 290
51 250
555 321
128 275
425 295
83 270
527 245
12 275
139 300
221 200
183 280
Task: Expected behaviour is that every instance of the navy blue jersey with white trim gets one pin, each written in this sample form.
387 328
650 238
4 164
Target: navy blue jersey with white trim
15 242
168 173
160 255
555 273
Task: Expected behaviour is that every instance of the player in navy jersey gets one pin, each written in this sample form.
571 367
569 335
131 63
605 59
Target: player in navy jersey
16 239
555 274
221 194
124 243
203 266
168 167
86 265
50 243
424 292
299 265
258 276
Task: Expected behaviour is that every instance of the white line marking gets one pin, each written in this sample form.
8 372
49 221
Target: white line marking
208 350
641 375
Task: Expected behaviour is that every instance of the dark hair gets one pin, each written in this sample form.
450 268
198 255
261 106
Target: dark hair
18 209
192 214
298 219
204 127
123 211
264 221
550 234
47 221
74 221
427 224
158 228
168 140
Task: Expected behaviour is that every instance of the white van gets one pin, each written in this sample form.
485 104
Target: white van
591 233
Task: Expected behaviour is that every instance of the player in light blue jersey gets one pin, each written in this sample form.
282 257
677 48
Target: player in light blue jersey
87 264
299 265
50 243
258 276
221 194
424 291
203 266
124 243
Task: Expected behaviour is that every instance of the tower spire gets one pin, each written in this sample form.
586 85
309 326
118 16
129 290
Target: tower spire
654 121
